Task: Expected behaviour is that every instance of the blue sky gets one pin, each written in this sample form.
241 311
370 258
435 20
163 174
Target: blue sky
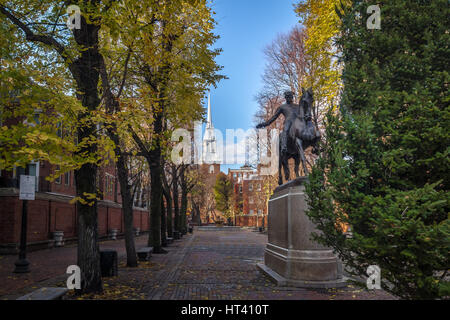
245 28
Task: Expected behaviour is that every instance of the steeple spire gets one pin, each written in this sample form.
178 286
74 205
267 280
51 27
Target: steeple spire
209 139
209 121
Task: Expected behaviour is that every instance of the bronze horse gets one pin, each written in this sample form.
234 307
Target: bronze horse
301 135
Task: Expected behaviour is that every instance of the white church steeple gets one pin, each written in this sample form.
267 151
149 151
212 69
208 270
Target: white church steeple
209 139
209 121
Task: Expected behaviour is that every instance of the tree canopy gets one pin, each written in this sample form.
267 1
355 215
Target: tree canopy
223 192
384 169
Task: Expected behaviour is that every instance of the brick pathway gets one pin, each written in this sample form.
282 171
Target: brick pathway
45 265
206 265
222 265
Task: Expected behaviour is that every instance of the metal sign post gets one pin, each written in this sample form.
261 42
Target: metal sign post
27 192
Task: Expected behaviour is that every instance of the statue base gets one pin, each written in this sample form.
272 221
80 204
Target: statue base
291 258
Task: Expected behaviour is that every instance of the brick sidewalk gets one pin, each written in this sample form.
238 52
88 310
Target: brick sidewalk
46 265
222 265
206 265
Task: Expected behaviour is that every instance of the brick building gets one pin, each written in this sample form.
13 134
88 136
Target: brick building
52 210
250 203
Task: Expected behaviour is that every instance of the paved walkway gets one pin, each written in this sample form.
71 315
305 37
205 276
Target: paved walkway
208 265
222 265
46 265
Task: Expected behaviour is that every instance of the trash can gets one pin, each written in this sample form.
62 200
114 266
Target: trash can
108 263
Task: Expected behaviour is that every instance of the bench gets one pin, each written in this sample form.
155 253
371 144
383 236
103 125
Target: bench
169 240
46 293
144 253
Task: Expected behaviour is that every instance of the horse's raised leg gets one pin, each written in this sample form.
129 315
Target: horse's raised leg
302 156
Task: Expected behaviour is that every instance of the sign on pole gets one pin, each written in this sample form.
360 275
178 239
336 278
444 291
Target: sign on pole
27 187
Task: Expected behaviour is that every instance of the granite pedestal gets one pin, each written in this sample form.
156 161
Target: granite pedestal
291 258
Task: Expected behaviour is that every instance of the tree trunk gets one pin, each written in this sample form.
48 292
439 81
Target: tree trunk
112 106
169 221
154 161
85 70
88 251
176 207
154 239
184 203
127 208
86 74
154 156
163 223
185 189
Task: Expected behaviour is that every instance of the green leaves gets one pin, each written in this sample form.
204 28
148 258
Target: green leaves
383 170
223 191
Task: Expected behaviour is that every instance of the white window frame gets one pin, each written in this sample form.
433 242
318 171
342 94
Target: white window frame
67 174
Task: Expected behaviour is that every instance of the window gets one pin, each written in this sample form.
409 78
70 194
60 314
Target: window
67 178
111 185
240 189
250 200
250 187
211 169
33 169
58 180
259 187
59 130
35 120
234 175
137 198
144 199
259 212
36 117
252 211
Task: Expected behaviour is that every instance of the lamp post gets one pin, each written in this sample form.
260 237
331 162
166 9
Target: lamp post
22 264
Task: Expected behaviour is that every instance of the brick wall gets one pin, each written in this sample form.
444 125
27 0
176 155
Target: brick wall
63 218
250 221
48 215
9 226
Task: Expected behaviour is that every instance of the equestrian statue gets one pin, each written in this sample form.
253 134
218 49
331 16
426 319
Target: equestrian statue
298 133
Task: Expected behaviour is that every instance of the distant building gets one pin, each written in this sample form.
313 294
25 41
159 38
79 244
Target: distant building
210 166
250 204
